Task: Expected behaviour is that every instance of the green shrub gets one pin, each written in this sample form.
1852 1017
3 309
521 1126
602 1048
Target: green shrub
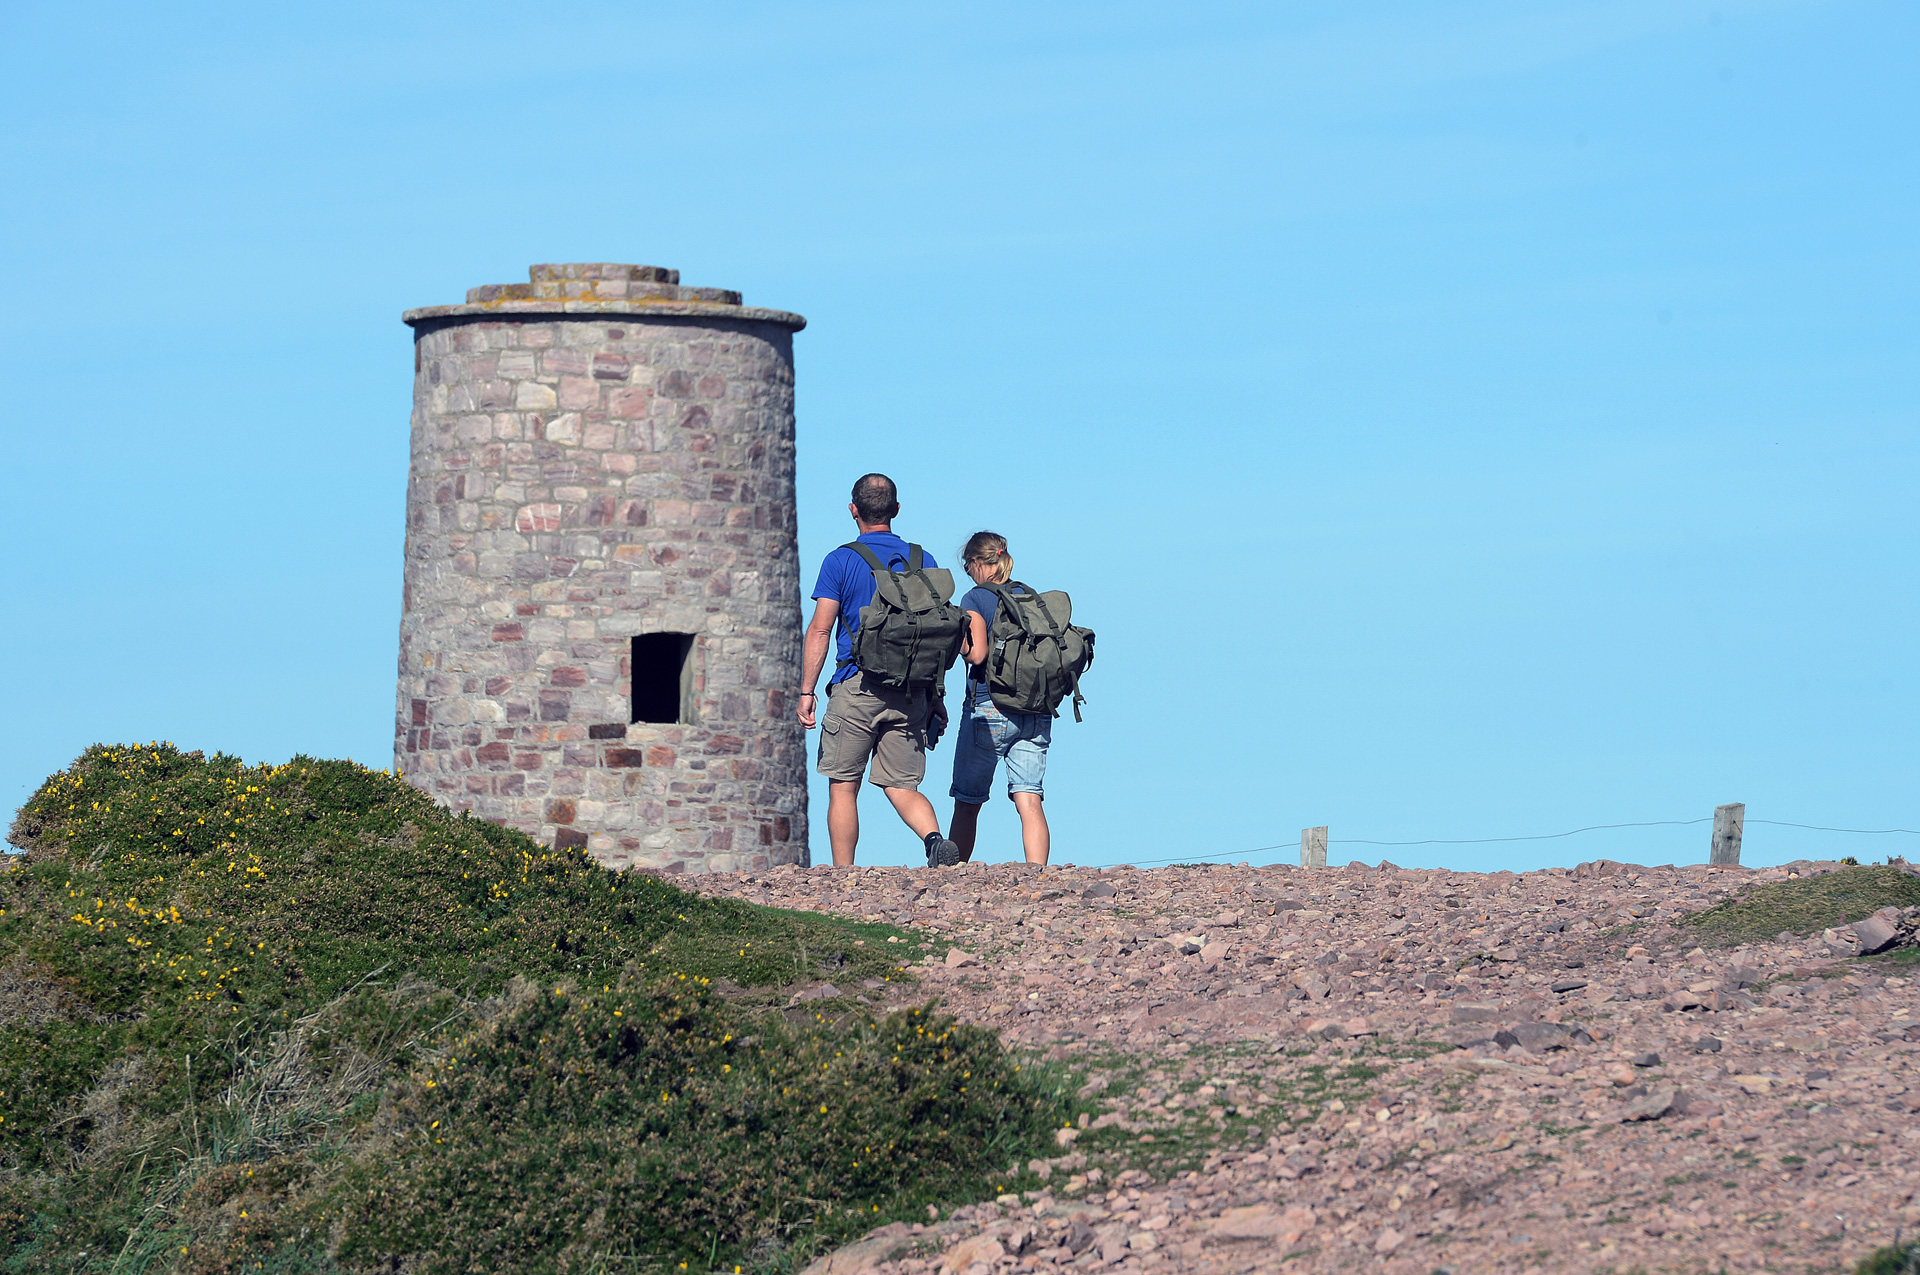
639 1124
1804 905
232 999
1894 1259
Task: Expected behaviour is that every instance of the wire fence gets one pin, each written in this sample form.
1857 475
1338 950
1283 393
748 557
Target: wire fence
1544 836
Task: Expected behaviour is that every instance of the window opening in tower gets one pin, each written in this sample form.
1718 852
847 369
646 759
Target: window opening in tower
663 678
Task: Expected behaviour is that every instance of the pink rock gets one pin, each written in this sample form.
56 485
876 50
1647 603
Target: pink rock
1463 1012
1875 933
1253 1222
883 1245
1651 1107
981 1248
956 958
824 991
1262 1222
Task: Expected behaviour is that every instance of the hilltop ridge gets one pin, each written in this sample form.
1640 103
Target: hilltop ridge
1606 1068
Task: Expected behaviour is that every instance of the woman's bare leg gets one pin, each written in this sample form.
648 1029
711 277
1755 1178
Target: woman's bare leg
1034 835
963 828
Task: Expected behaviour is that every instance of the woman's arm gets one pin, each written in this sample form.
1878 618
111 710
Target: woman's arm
974 643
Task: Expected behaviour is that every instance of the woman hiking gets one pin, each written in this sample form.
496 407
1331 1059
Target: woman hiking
988 736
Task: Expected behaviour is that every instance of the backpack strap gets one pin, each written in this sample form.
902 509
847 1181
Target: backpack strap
1006 608
916 566
1078 698
846 623
916 560
852 637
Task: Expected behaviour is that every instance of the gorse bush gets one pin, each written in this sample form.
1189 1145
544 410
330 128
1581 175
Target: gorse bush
172 899
637 1124
302 1018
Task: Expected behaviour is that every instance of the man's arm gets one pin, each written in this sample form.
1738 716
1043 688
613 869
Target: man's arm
813 655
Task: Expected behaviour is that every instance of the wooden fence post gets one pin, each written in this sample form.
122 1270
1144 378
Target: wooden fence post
1727 823
1313 847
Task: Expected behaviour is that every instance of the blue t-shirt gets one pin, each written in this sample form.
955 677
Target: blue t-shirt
987 603
847 579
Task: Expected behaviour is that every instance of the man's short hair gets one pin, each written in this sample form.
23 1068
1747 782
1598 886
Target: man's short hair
876 498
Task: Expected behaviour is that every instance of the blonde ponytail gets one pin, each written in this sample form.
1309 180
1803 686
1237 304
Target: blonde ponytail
990 548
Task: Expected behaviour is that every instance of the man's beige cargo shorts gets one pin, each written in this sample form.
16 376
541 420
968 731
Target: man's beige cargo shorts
869 720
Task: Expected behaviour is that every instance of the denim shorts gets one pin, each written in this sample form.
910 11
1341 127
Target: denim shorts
986 736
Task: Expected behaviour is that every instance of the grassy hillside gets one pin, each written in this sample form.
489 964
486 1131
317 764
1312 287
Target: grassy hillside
300 1018
1806 905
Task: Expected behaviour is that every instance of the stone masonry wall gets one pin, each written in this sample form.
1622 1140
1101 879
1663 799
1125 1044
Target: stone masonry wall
598 454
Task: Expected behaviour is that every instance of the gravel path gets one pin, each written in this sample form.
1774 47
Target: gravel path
1406 1071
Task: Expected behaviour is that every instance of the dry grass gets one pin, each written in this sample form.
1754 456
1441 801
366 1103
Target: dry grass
29 998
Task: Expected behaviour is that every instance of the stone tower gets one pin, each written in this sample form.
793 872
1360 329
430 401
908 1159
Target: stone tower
600 627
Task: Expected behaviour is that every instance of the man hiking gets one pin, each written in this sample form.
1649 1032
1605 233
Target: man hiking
883 697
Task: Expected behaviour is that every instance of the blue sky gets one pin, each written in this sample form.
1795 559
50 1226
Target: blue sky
1457 421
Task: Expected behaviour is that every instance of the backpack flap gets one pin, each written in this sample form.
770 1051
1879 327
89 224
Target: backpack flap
915 588
909 635
1031 610
922 589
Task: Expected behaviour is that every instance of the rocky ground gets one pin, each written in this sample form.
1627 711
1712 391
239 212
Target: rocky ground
1408 1071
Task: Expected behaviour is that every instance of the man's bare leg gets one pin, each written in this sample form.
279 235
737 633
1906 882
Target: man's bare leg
843 819
1034 835
915 809
965 827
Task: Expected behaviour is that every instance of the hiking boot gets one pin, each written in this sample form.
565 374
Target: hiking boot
942 853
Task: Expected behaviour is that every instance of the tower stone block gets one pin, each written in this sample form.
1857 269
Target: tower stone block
600 624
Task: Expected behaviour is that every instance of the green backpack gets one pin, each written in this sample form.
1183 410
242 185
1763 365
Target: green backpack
910 633
1035 654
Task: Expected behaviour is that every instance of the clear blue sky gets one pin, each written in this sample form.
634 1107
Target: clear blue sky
1457 421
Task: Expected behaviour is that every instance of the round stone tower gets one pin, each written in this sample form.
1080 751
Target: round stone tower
600 627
